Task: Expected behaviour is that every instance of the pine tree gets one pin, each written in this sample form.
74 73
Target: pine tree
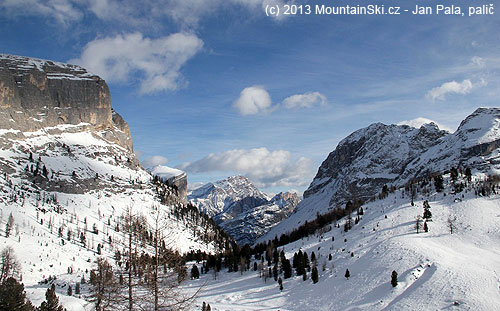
314 275
454 174
287 269
427 212
195 273
77 289
280 282
426 228
70 291
347 274
51 302
468 174
438 183
13 297
394 279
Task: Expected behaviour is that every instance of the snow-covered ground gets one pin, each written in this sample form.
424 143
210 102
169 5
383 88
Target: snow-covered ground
48 224
437 270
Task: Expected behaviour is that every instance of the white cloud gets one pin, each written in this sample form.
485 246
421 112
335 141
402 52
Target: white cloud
253 100
418 122
306 100
265 168
477 61
63 11
186 13
440 92
158 61
154 161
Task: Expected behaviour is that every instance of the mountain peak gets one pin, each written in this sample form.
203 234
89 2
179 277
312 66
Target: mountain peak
39 93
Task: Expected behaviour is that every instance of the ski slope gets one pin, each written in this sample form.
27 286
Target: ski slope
437 270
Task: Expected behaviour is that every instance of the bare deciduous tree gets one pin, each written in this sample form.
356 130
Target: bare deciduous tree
105 291
10 266
451 224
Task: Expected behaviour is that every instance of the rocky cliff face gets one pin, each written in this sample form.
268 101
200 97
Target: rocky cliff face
249 225
371 157
36 94
244 212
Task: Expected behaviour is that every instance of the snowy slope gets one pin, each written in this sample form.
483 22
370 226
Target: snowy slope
90 182
437 270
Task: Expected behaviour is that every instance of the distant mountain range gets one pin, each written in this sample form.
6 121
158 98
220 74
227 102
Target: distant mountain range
242 210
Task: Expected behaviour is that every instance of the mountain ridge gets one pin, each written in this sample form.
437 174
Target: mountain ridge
242 210
393 155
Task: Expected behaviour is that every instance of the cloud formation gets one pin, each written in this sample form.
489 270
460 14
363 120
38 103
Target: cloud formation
418 122
156 61
265 168
62 11
452 87
253 100
185 13
256 99
154 161
306 100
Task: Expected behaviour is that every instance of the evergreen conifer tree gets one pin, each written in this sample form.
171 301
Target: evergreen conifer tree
287 269
195 273
13 297
314 275
51 302
394 279
347 274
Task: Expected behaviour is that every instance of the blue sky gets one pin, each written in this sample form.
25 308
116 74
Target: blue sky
217 88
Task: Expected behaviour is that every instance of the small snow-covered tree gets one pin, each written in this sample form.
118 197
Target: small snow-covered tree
394 279
427 210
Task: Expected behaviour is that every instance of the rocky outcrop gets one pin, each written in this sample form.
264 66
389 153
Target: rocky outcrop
172 177
36 94
370 158
244 212
248 226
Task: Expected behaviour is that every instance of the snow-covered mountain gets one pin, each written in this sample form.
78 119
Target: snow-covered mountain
69 174
392 155
241 209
